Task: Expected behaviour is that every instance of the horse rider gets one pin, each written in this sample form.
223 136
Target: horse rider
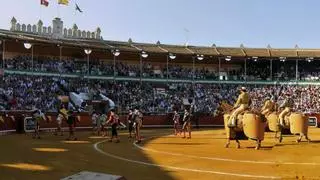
268 106
240 106
287 106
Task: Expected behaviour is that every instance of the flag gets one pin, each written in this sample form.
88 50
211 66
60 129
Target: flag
78 8
63 2
44 3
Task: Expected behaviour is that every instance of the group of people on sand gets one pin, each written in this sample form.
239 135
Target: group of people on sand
134 120
186 123
100 123
270 105
69 117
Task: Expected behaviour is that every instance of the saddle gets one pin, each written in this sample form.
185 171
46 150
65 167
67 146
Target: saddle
262 118
286 118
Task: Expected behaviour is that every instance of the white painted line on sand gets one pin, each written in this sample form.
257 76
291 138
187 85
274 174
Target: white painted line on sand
179 168
224 159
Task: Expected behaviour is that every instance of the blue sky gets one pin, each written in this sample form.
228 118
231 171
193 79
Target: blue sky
255 23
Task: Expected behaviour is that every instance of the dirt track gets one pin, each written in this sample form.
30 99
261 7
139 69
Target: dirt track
162 156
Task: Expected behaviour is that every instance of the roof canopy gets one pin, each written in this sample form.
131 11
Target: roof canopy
162 48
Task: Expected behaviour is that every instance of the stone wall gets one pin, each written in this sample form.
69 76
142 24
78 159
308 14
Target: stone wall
57 30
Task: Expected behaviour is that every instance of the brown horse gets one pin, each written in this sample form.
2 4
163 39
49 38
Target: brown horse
296 122
249 123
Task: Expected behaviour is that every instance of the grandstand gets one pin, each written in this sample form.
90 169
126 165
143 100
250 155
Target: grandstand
61 57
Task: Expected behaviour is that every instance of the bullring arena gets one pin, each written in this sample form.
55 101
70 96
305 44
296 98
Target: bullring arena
161 156
74 106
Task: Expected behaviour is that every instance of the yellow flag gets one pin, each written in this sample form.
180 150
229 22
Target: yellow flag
63 2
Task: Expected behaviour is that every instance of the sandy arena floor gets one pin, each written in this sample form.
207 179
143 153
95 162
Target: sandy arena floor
161 156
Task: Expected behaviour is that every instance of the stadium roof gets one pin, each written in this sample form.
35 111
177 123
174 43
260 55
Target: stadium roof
161 48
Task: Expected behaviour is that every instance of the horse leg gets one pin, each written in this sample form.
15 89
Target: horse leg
228 143
228 138
258 145
307 138
280 137
38 131
238 143
300 137
275 135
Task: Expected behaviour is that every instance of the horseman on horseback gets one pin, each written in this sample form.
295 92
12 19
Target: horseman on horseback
240 106
287 106
240 124
268 106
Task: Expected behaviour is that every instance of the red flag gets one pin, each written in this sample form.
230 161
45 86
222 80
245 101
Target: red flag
44 3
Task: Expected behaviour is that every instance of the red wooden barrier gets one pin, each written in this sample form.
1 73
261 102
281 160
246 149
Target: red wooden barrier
11 118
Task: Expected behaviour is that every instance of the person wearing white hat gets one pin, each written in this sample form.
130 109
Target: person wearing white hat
240 106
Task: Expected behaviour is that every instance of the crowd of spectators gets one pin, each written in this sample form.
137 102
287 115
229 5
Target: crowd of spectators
256 70
104 68
26 92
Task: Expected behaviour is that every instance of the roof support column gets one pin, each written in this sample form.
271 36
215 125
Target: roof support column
88 52
245 69
88 64
60 58
32 63
3 51
60 53
140 72
270 69
114 79
167 69
193 71
297 70
219 73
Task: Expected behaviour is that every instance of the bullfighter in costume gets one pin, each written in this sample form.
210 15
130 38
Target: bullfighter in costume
113 121
186 123
138 116
176 123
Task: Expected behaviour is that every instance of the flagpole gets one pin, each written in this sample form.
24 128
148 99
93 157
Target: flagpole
40 11
58 9
75 13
